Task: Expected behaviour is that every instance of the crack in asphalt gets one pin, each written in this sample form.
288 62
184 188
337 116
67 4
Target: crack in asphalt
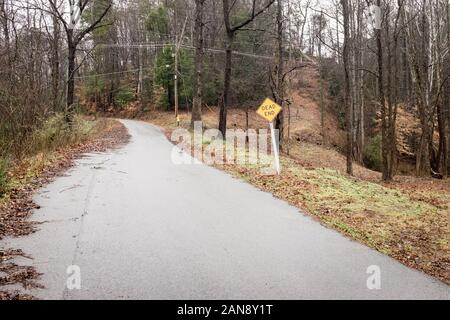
80 230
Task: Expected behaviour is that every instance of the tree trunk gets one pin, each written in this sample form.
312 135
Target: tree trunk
197 85
349 111
440 100
423 165
382 102
322 102
442 157
55 63
359 84
7 39
279 124
447 109
226 86
70 79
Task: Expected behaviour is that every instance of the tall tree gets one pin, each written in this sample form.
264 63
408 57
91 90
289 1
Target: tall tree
199 57
280 87
231 30
422 70
319 24
347 98
55 62
74 37
446 163
441 164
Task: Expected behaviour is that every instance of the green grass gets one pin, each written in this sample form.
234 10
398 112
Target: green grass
340 192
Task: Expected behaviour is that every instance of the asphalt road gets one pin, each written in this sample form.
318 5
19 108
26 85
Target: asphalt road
140 227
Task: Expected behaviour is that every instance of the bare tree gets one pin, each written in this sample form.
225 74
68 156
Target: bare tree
74 37
231 31
280 87
199 57
348 104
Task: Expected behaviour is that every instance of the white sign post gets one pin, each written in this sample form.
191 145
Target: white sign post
275 149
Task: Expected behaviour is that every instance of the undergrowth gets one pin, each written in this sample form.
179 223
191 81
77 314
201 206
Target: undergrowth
34 154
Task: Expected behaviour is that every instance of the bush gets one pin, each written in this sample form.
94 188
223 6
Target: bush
52 134
3 176
55 133
372 154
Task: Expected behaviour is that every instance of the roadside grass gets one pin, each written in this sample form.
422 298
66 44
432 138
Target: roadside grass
42 150
55 133
339 192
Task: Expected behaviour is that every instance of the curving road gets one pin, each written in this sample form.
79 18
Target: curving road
140 227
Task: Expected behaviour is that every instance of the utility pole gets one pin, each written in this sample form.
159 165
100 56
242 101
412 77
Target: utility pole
178 42
176 78
141 76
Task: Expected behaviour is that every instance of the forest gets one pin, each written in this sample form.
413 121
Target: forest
378 61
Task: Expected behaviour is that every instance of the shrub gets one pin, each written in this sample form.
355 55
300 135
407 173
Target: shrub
55 133
372 154
52 134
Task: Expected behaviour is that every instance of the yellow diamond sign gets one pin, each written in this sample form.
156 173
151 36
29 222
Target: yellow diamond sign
269 110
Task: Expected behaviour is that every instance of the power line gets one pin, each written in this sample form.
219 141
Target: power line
121 72
161 45
239 53
109 74
136 45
